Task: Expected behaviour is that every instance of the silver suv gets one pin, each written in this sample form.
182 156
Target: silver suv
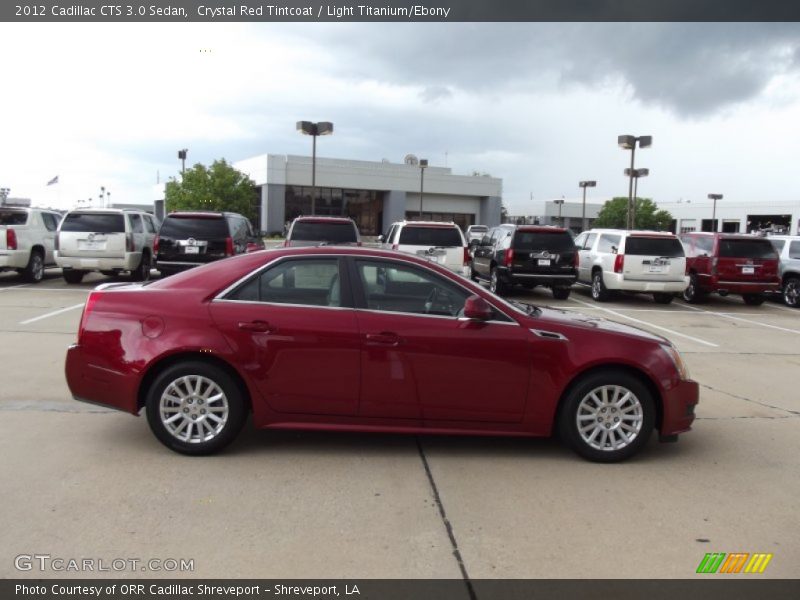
439 242
107 240
632 261
788 249
27 237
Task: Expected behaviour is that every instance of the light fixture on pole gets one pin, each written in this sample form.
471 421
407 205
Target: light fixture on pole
635 174
314 129
182 157
423 164
4 192
559 202
714 197
584 185
628 142
102 196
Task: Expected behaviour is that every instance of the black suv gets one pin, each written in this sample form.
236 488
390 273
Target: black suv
526 255
191 239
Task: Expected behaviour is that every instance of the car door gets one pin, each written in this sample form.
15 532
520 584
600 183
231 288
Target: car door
586 260
419 360
294 331
50 221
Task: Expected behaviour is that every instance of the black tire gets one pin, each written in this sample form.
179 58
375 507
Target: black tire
109 273
693 294
600 292
791 292
73 275
662 298
496 285
142 272
34 271
166 272
235 415
473 274
561 293
754 299
639 410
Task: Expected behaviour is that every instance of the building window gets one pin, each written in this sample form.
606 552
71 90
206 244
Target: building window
365 207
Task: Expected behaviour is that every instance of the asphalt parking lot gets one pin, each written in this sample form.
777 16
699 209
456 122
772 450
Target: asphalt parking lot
84 482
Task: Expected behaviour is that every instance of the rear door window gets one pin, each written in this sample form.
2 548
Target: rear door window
609 243
197 227
430 236
556 241
335 233
94 222
50 221
668 247
746 249
136 223
794 250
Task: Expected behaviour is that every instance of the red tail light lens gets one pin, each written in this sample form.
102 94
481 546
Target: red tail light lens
509 259
155 245
228 246
619 263
130 245
11 239
87 309
466 255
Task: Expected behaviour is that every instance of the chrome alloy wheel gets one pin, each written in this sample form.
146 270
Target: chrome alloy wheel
609 417
193 409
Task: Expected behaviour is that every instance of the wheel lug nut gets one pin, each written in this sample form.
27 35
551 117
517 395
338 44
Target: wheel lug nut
186 410
195 417
599 419
202 411
616 420
200 401
608 425
190 400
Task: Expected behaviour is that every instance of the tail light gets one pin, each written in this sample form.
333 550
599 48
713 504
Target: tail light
11 239
155 245
576 259
714 262
619 263
509 258
228 246
87 309
467 257
130 245
56 243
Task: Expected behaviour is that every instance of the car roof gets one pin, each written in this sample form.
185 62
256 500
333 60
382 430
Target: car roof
311 219
540 229
447 224
644 232
206 214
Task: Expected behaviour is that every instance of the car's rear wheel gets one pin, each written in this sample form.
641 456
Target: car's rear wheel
600 292
473 274
195 408
34 271
607 416
791 292
693 294
662 298
496 284
561 293
142 272
754 299
73 275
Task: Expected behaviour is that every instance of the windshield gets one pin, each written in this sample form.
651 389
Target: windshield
196 227
430 236
554 241
746 249
13 217
94 222
669 247
335 233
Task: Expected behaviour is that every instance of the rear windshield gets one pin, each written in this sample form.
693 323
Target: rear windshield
195 227
335 233
654 246
430 236
746 249
552 241
94 222
13 217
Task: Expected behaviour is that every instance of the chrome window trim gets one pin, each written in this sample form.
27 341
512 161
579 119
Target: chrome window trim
259 303
450 318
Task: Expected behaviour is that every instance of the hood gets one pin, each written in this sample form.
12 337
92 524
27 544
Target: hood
576 319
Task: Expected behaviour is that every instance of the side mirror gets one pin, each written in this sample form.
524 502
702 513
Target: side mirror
477 308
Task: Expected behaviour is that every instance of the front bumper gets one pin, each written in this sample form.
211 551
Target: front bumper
679 405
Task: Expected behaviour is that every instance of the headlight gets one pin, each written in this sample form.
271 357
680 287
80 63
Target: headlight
683 370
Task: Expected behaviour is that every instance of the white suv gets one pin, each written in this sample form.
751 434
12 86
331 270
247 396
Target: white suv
106 240
27 237
439 242
632 261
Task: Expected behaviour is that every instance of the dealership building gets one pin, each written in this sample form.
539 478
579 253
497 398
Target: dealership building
373 194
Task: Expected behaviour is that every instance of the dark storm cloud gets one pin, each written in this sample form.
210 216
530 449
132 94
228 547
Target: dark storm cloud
692 69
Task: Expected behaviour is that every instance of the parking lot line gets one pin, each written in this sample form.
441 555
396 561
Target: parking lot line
41 289
51 314
670 331
730 316
13 287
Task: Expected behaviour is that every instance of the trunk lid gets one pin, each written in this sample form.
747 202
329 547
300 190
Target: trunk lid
654 258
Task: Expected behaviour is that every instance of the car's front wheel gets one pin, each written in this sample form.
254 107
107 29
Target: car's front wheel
693 294
195 408
791 292
607 416
561 293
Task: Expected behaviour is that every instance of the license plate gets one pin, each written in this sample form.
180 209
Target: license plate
543 262
748 270
91 245
192 250
656 269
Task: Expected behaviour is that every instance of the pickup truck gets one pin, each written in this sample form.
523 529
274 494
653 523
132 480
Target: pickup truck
27 236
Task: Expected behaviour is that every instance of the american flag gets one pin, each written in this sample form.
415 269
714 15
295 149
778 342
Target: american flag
53 181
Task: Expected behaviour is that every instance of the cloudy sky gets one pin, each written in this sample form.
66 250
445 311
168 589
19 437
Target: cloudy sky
538 104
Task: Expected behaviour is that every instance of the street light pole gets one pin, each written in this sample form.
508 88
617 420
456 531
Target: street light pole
314 129
635 174
628 142
4 192
423 164
559 203
584 185
714 197
182 157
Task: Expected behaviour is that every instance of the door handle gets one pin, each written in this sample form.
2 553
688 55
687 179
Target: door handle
256 326
385 338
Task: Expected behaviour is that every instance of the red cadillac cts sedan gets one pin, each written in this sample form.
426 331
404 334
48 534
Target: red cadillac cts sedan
356 339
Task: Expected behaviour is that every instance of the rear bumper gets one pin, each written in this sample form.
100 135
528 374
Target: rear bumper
617 281
14 259
91 383
679 405
746 287
547 279
128 262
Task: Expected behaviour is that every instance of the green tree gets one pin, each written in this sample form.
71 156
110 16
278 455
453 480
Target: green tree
648 215
219 187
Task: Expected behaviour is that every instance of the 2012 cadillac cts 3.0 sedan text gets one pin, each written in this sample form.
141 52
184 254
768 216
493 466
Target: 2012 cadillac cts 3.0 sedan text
361 339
